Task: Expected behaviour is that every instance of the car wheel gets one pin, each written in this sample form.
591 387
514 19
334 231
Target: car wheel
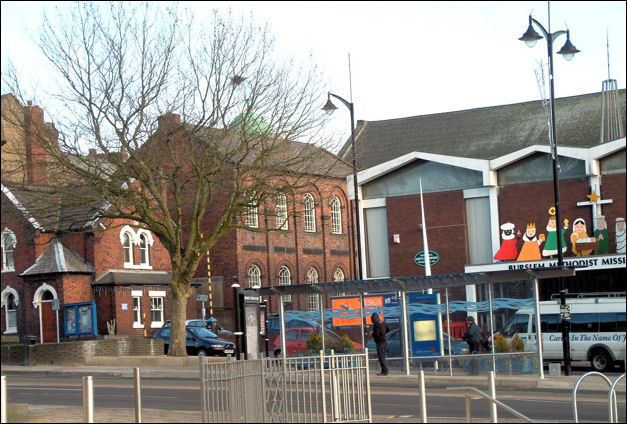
165 349
601 361
202 352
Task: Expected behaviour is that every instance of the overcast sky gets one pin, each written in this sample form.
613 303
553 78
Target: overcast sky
410 58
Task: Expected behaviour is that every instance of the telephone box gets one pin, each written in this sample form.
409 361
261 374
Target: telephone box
249 310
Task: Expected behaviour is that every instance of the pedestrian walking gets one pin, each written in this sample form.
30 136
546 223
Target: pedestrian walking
379 331
473 338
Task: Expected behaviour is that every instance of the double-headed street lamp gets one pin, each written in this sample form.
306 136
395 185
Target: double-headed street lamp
329 107
531 37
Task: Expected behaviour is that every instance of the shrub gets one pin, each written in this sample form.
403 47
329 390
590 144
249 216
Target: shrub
500 344
517 345
314 343
344 345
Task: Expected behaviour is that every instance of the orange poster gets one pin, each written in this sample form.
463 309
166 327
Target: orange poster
352 304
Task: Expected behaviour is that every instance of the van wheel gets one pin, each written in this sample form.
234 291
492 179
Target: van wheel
600 361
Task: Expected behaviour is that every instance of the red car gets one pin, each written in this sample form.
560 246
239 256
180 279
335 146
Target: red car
296 340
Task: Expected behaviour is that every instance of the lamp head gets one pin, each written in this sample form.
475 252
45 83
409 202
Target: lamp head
329 108
568 50
530 37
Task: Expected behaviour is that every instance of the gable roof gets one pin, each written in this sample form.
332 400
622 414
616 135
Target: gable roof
484 133
59 258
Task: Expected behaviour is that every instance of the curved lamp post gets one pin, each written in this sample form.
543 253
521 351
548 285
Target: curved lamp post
329 108
531 37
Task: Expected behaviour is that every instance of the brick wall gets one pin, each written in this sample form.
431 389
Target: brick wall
76 351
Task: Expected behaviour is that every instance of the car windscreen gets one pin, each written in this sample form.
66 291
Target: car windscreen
202 332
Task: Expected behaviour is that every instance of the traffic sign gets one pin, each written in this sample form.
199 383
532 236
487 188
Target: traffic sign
202 298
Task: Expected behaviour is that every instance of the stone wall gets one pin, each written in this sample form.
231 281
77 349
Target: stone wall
76 351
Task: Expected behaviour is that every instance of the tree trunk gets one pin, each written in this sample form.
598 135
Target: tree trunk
179 314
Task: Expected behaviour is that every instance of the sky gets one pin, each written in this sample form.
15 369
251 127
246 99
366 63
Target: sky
408 58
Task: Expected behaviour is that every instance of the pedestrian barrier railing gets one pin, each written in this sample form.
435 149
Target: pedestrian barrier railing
494 403
324 388
612 404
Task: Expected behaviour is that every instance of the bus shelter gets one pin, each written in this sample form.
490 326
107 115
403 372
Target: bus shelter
405 287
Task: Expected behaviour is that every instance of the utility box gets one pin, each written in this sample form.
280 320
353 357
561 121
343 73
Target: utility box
555 368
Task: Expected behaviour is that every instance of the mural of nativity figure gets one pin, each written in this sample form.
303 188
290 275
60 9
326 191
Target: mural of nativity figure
509 248
550 247
602 236
581 243
620 235
531 247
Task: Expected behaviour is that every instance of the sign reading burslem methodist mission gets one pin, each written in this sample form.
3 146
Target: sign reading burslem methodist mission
419 258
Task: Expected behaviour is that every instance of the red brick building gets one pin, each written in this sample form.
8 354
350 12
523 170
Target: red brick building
483 168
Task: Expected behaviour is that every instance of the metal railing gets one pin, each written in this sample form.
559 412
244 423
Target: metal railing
612 404
493 402
320 388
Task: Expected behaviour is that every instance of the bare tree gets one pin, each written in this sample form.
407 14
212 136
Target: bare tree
174 125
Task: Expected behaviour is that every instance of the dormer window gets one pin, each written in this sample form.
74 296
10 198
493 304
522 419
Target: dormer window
145 243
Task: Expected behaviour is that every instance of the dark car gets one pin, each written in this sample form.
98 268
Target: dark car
207 324
199 341
394 350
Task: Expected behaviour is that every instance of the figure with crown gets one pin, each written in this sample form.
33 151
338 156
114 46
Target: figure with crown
550 247
531 244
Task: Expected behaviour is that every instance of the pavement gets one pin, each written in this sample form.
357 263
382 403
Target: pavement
166 367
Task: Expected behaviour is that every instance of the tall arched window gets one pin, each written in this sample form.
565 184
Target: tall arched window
144 250
336 216
254 277
127 246
281 212
252 213
10 302
8 246
285 279
312 278
310 213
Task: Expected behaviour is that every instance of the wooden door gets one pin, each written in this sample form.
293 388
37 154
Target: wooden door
48 322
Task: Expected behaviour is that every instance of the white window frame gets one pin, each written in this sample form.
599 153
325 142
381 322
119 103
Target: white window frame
285 279
281 212
309 205
6 293
130 234
338 275
157 297
313 303
252 215
5 250
254 277
145 237
137 320
336 215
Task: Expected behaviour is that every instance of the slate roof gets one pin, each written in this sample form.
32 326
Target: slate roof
56 208
59 258
484 133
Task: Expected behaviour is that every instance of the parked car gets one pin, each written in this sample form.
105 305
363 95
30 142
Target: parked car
296 340
207 324
274 324
199 341
458 346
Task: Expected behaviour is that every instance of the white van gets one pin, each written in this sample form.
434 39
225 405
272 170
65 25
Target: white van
597 329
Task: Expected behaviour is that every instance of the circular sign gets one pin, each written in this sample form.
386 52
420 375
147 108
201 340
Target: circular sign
419 258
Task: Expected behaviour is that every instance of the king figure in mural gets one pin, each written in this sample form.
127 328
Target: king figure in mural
550 247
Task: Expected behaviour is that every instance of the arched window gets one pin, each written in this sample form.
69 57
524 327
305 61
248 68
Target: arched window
252 213
127 246
281 212
285 279
310 214
144 249
8 246
312 278
336 216
338 275
10 302
254 277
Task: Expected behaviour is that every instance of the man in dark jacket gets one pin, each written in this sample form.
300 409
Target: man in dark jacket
379 331
473 338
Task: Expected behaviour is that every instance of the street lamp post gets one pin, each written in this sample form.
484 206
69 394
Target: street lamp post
329 107
530 37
